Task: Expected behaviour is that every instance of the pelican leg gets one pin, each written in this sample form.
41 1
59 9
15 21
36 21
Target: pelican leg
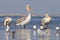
13 36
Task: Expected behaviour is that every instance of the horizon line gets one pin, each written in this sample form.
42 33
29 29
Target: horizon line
18 14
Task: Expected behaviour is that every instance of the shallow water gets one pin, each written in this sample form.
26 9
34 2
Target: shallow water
29 33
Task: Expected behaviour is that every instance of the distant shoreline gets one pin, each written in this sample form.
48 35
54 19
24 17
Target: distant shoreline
35 15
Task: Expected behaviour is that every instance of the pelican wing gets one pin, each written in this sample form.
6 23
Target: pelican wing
46 20
42 22
20 20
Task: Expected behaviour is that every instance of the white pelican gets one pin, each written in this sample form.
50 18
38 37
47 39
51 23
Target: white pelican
25 20
7 23
46 20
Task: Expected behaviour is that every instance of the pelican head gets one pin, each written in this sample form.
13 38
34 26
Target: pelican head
28 8
46 15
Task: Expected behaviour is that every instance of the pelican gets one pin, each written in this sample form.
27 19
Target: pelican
46 20
7 23
24 20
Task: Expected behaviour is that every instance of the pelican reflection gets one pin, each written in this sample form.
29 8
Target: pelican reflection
45 36
7 35
57 35
23 34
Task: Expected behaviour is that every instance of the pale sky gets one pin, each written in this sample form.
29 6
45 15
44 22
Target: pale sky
51 7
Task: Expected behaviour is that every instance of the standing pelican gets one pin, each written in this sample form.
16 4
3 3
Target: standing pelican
25 20
46 20
7 23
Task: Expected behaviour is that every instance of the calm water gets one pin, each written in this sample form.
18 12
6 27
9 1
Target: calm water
29 33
